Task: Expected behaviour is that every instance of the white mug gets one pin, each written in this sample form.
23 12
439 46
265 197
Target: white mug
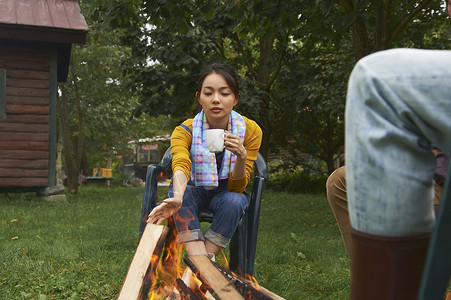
215 140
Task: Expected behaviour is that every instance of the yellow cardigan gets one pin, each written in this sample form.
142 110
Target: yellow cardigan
181 143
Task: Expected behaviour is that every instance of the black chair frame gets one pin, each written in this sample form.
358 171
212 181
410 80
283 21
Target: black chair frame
244 242
437 267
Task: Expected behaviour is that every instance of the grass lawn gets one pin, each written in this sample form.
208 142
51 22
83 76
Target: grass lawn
82 249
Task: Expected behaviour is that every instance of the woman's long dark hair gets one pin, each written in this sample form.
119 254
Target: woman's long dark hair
228 74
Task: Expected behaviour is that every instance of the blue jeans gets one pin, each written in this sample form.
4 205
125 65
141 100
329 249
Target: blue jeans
228 207
398 103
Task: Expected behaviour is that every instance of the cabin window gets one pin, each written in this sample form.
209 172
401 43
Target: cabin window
2 93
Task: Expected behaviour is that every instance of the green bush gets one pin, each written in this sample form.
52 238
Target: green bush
297 181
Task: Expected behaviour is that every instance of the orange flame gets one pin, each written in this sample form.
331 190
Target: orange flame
169 266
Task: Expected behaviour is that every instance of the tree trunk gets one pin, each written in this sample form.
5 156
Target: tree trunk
330 164
69 150
360 39
262 73
264 77
73 150
265 125
59 160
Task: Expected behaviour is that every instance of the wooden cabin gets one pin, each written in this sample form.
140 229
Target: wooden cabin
36 37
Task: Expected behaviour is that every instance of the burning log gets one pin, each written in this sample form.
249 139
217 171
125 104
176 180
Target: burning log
244 287
247 287
138 280
161 274
212 278
187 293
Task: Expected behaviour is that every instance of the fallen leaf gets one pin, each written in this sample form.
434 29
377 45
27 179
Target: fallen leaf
15 238
294 237
300 255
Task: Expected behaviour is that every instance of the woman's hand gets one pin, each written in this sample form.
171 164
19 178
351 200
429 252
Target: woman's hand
170 206
234 145
165 210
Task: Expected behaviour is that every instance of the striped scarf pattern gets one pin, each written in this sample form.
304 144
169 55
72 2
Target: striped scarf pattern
203 167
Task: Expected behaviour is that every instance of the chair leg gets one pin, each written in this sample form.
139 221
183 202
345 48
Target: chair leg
237 250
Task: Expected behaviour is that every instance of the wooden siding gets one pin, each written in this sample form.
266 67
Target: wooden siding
24 134
2 93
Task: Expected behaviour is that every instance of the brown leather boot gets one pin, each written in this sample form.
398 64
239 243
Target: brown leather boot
386 268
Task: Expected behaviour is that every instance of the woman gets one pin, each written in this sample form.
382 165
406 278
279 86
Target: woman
203 180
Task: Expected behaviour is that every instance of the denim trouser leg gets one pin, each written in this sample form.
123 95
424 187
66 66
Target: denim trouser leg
398 103
227 207
186 221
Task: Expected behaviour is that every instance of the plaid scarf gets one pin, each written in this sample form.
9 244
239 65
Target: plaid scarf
203 168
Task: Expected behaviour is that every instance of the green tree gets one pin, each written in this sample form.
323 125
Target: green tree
312 121
379 25
255 37
95 105
273 45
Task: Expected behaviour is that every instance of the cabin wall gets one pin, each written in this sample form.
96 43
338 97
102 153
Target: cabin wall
25 132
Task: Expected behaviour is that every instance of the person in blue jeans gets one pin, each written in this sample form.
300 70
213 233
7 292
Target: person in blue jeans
398 105
206 181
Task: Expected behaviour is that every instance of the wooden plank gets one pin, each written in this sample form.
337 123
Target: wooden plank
24 100
28 119
28 74
24 65
23 173
245 287
24 145
20 50
146 257
267 293
24 163
53 94
29 83
17 127
31 33
27 109
23 136
23 154
23 182
2 93
209 274
29 92
30 55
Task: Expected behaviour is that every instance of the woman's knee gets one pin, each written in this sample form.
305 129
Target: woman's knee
230 201
237 201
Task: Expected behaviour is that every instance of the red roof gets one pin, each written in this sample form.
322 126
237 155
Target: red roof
35 19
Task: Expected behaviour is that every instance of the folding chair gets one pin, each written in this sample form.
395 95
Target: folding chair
244 242
437 268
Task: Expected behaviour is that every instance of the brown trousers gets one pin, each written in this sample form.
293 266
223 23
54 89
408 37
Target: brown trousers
336 195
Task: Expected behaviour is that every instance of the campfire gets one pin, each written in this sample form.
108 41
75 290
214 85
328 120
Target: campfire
157 272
